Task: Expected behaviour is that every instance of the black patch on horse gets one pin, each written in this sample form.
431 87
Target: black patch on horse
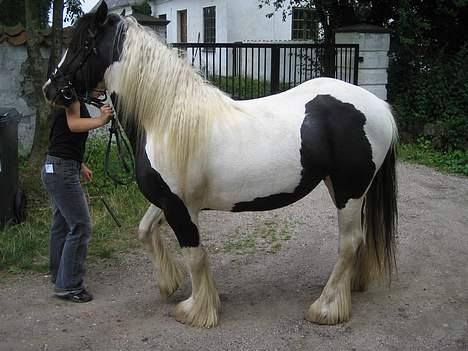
333 144
333 135
156 190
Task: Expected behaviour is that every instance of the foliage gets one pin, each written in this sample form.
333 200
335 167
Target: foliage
25 246
422 152
333 14
437 104
73 10
428 72
144 8
12 11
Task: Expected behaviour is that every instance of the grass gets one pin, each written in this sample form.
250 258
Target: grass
24 247
421 152
266 236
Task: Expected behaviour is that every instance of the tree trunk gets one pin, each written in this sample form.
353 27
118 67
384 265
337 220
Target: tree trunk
37 74
328 57
57 36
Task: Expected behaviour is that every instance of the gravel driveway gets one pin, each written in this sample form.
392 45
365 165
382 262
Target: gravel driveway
269 267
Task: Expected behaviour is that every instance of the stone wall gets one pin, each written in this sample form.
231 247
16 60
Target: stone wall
14 91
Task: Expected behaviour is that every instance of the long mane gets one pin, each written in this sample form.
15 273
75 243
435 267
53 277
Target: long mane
164 95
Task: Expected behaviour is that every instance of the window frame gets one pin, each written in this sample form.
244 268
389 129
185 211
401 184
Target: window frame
304 24
209 25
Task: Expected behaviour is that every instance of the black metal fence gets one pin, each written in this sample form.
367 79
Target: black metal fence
251 70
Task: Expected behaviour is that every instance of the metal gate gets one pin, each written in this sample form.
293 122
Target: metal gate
251 70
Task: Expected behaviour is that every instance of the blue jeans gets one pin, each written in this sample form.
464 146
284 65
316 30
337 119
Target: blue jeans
71 224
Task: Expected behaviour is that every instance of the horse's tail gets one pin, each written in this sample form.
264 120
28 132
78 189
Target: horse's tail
376 258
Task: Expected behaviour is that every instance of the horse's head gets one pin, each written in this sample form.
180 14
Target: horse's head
91 51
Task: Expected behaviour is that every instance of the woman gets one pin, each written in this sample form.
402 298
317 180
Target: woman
71 224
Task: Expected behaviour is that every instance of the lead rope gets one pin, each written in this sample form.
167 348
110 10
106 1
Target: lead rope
124 153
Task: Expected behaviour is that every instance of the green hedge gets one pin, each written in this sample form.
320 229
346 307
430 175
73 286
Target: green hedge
434 102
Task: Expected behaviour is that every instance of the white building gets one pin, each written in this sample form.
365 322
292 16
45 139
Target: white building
226 21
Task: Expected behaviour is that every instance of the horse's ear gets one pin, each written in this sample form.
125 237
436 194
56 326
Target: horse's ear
123 13
101 13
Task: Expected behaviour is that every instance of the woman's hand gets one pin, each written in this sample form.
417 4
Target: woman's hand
86 173
107 113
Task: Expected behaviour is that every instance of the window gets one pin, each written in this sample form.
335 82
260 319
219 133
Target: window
163 17
182 26
304 24
209 24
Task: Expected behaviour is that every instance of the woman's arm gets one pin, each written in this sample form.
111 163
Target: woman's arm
79 125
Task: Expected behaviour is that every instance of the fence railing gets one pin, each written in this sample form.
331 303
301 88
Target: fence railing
251 70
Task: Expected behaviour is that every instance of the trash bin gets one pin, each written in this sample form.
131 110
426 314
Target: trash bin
12 199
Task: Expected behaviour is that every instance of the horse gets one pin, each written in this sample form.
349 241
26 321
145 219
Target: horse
197 149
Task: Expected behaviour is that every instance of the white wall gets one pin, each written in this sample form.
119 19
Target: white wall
246 22
239 20
194 17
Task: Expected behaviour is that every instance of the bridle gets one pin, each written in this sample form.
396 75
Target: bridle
68 92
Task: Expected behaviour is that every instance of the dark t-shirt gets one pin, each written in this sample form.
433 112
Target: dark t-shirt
64 143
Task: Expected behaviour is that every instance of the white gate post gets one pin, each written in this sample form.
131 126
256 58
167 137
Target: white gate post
374 44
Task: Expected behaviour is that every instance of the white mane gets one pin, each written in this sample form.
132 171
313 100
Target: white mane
164 95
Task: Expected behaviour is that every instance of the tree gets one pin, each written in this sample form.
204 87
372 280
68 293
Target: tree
332 14
34 16
37 73
428 71
144 8
36 23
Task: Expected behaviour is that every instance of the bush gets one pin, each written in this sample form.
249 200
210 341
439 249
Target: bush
434 102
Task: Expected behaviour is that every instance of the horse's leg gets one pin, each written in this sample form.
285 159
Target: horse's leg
169 274
201 308
334 304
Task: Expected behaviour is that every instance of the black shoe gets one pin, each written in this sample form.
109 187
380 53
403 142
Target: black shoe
82 296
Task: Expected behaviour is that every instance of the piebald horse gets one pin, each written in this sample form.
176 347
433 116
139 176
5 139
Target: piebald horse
197 149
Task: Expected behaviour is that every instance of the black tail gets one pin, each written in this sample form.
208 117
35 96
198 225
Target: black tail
381 217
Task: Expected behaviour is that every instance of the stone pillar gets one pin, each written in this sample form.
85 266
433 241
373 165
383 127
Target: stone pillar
374 44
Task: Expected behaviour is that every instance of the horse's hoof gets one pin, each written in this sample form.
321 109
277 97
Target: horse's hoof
328 313
191 313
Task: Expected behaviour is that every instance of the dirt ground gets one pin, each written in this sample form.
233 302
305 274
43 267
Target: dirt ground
269 267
